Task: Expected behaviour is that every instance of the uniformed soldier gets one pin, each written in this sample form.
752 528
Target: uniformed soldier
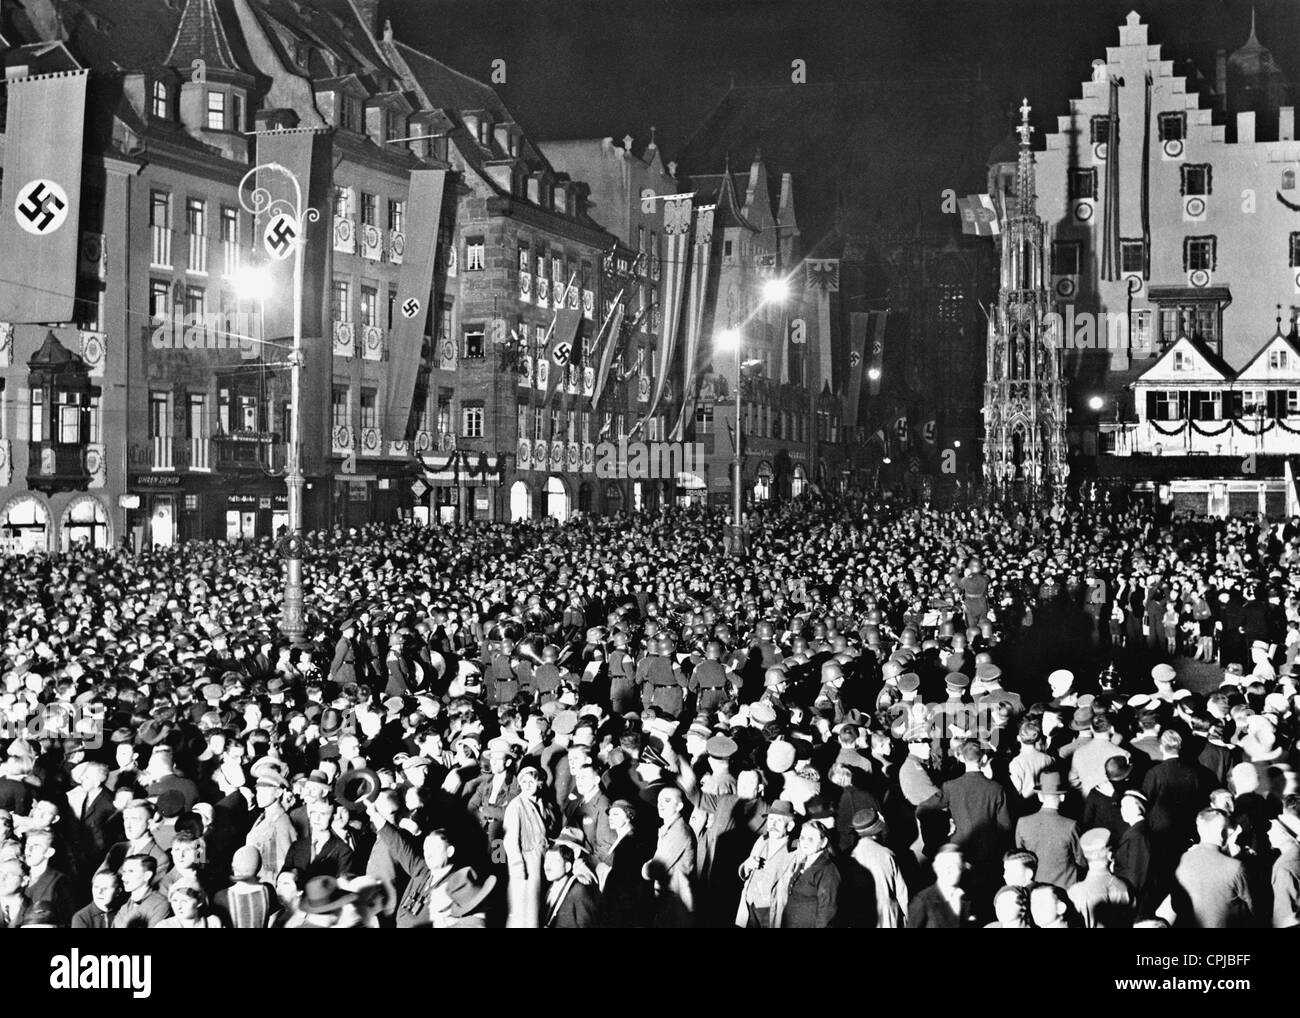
709 680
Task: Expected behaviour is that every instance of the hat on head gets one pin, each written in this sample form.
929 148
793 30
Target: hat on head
780 756
1164 673
324 895
721 747
909 682
781 808
957 681
1061 679
624 805
1235 669
762 713
1082 720
246 864
1049 783
565 722
867 822
988 672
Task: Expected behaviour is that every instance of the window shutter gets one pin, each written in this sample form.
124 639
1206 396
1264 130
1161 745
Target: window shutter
1183 413
1275 405
1235 404
1151 405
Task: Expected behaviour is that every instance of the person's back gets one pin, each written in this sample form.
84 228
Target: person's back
1210 890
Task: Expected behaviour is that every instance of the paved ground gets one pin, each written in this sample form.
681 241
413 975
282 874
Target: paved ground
1198 676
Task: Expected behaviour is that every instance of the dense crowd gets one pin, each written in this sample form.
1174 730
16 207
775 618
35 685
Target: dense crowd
876 716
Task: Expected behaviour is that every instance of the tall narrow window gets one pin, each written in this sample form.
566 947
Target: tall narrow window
216 110
161 106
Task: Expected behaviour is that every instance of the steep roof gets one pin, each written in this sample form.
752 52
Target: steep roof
201 36
446 88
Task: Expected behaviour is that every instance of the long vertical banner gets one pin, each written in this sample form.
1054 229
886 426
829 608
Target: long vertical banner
702 249
823 275
611 330
1110 214
858 339
677 234
876 365
40 197
413 310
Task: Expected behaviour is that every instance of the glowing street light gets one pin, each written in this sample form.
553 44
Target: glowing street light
251 283
956 443
1096 403
775 290
873 374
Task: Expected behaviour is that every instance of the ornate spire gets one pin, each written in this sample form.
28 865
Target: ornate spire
1025 196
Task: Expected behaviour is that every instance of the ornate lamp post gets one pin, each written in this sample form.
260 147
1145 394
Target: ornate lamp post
285 235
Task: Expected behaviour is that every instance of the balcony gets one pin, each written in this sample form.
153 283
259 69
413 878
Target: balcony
58 466
372 243
341 440
1243 437
244 450
372 442
160 256
372 343
231 258
345 235
198 262
396 246
160 453
200 454
345 340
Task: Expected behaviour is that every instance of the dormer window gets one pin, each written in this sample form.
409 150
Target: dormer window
160 103
1278 361
484 133
1182 361
216 110
349 112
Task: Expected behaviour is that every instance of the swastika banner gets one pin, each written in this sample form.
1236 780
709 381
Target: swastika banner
414 289
40 198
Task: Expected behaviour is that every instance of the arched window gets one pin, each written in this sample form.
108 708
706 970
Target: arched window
160 99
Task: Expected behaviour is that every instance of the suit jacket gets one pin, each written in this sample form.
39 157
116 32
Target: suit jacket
15 796
333 860
625 903
578 907
55 890
929 910
88 827
672 869
1055 840
811 900
343 669
92 917
978 806
1175 791
116 855
23 908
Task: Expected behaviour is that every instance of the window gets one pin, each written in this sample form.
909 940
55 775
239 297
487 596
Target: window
1199 320
1295 249
369 408
473 341
236 111
1100 129
196 300
229 224
1131 255
475 251
1065 257
524 264
521 419
1292 402
340 301
1140 322
392 303
444 320
160 99
38 415
349 112
1172 126
1182 360
160 208
248 415
471 421
196 410
159 298
1083 183
396 215
1196 179
1288 180
342 201
339 410
369 305
1278 360
367 209
1199 253
444 414
216 110
160 425
726 249
392 125
196 217
538 420
1206 406
704 418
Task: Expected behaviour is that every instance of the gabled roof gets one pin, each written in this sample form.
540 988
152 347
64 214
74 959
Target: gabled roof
444 88
1211 359
1278 339
723 190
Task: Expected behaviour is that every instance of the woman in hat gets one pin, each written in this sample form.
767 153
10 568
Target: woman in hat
528 823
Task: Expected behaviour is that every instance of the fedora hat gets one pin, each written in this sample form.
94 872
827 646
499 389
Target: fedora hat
324 895
354 788
467 896
867 822
1049 783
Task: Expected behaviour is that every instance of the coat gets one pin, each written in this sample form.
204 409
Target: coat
577 909
88 828
1210 890
333 860
978 807
625 901
672 871
930 910
343 669
877 892
527 824
810 900
1055 840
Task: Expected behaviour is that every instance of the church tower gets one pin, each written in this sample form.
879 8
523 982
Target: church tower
1024 394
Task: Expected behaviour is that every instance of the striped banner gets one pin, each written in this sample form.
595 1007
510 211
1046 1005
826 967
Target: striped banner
703 248
677 234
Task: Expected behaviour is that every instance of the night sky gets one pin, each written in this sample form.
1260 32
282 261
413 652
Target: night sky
595 68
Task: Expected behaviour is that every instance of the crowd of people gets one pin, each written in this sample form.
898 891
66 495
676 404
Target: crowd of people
874 716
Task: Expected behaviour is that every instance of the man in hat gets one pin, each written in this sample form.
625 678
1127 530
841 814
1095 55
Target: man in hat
1102 899
945 903
875 891
626 900
272 832
1054 839
766 867
320 852
810 896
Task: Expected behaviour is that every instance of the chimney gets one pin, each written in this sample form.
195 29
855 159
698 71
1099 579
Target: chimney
1246 128
1221 77
1286 123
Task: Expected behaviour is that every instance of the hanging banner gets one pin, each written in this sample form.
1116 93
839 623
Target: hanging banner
677 234
414 291
701 251
40 197
859 333
823 276
613 333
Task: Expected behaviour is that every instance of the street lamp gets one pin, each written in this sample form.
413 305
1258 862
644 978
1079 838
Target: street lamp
775 290
728 339
1096 403
256 202
873 374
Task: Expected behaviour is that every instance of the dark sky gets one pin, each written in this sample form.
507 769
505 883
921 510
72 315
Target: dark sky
594 68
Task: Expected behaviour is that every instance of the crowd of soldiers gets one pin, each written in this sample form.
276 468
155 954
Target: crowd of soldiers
871 716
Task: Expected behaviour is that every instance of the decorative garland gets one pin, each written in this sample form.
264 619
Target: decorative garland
1182 426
